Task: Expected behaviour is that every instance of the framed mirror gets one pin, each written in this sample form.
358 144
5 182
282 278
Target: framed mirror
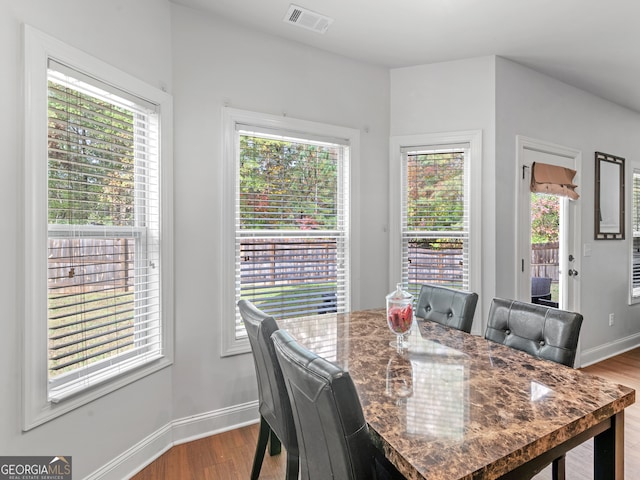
609 208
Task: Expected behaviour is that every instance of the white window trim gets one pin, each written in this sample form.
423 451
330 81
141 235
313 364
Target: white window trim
231 117
38 48
396 144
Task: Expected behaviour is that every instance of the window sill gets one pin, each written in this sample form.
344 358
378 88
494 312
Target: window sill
70 400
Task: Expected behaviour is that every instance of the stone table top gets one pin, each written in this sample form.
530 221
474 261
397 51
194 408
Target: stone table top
455 405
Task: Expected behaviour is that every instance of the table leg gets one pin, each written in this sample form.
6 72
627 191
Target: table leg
608 451
558 468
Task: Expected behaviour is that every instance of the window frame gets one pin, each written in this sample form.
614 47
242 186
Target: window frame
233 117
39 48
474 177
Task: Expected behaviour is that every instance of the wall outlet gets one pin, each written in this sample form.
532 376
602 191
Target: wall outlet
611 319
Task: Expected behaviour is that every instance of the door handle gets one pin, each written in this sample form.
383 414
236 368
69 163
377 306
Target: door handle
573 273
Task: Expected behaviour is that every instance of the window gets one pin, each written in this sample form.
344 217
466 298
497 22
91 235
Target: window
433 213
291 217
435 234
100 292
635 244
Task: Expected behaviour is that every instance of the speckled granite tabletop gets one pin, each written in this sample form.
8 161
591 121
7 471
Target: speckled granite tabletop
454 405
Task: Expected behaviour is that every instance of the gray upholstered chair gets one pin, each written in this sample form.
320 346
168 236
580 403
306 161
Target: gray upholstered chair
333 435
447 306
541 331
276 420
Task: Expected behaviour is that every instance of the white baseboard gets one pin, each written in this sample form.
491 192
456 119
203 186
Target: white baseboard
139 455
608 350
179 431
200 426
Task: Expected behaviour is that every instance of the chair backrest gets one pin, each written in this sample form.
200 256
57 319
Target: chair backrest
333 436
447 306
274 404
544 332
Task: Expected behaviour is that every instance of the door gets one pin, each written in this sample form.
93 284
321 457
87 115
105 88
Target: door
550 251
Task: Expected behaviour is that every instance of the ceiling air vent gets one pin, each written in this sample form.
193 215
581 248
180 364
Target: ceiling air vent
304 18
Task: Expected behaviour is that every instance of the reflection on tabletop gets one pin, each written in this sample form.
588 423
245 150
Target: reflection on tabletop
438 406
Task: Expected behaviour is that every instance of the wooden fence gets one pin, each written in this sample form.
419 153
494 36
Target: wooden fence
303 260
90 264
441 266
105 263
545 260
288 261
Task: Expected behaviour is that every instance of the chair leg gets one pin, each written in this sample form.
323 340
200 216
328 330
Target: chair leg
293 466
275 447
558 468
261 447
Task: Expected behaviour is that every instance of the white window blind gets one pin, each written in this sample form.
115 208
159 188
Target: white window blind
636 203
291 224
103 236
435 216
635 256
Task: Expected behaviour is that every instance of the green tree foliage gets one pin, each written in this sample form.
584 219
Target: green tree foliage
435 196
287 185
545 218
91 160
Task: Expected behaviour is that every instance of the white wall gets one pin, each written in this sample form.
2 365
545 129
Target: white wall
449 97
216 62
141 45
537 106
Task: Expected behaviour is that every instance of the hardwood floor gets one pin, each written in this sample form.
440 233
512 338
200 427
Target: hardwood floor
229 455
226 456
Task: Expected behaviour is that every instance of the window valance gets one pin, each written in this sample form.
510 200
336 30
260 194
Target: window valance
553 180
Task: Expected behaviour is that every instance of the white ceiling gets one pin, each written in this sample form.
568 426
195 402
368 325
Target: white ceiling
591 44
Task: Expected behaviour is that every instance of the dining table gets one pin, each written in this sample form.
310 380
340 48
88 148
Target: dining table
456 406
